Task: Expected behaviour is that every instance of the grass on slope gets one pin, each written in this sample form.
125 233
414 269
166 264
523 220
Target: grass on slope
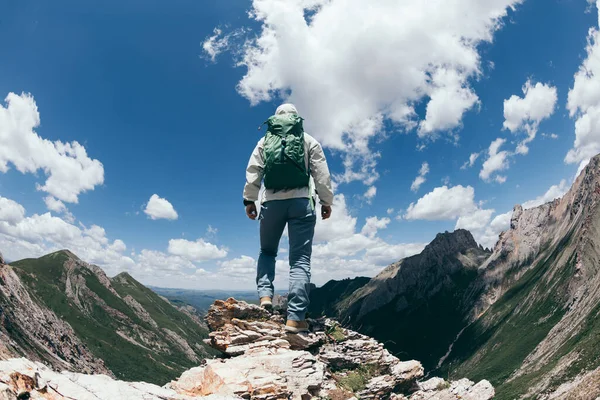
97 328
496 344
165 315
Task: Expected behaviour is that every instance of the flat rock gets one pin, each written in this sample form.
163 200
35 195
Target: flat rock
280 373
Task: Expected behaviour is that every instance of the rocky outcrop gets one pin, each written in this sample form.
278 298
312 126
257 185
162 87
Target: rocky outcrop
264 362
24 379
329 362
31 329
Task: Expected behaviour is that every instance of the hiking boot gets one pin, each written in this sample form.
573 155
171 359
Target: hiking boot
296 326
266 303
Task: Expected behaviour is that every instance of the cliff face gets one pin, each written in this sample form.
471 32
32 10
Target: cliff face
29 328
535 326
423 292
62 311
260 361
524 316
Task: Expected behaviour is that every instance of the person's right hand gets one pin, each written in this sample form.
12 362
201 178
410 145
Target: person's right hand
251 211
325 212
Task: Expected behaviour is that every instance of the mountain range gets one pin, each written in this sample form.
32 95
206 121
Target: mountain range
67 313
524 316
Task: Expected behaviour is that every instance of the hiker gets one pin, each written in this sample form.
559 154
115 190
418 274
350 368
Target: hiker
294 169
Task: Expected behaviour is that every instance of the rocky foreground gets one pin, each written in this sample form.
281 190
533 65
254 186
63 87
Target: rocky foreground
261 361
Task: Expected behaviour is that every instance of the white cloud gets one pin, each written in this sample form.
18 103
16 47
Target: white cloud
68 168
488 235
496 161
11 212
390 211
159 208
373 225
59 207
475 220
370 193
340 225
550 135
420 179
472 158
197 251
242 268
443 203
584 103
216 44
54 204
555 192
526 113
357 82
458 203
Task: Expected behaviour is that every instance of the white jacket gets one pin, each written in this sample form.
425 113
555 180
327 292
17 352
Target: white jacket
315 162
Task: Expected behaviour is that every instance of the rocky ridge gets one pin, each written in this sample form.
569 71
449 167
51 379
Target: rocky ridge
261 361
70 315
422 291
28 328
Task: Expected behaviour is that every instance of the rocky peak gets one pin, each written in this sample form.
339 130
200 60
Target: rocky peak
451 243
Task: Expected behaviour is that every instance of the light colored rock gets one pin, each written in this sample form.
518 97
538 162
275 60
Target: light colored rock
432 384
463 389
279 373
6 393
22 375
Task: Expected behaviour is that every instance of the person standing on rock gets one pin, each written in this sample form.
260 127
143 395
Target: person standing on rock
293 168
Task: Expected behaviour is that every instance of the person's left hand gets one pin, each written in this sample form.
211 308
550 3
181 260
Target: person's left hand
251 211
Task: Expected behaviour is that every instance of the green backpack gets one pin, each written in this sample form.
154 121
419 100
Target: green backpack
285 167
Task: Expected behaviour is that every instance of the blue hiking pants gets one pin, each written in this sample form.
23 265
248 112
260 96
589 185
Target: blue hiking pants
301 218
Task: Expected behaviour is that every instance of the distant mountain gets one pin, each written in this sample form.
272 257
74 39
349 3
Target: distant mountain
201 300
526 316
63 311
414 306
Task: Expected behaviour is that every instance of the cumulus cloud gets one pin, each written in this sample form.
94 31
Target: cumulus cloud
458 203
555 192
420 179
526 113
68 169
412 54
340 225
443 203
584 104
197 251
497 161
373 225
23 236
159 208
35 235
11 212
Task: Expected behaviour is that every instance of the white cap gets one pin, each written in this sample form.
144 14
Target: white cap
286 109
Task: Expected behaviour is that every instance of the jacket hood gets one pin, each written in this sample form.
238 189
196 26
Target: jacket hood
286 109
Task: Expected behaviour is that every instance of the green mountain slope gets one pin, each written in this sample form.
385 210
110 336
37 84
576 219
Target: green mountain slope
526 317
542 327
415 305
137 334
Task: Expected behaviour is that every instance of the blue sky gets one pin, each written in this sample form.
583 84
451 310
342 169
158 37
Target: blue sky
169 106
